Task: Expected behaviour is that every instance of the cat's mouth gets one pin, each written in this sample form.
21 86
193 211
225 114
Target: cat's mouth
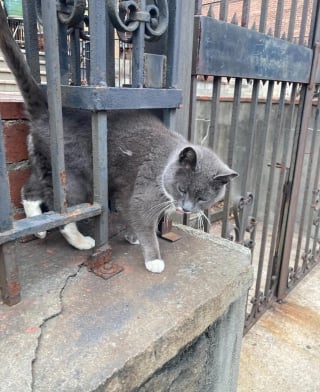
181 211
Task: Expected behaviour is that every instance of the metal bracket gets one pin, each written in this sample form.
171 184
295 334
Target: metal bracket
165 227
100 263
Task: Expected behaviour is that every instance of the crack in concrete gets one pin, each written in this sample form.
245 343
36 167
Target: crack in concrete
44 322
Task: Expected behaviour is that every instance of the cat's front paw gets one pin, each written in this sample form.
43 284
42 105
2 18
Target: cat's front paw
132 239
86 243
41 234
155 266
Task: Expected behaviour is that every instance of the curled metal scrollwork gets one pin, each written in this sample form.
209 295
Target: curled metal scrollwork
128 14
71 13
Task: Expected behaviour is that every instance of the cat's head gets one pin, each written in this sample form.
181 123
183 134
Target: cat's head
196 179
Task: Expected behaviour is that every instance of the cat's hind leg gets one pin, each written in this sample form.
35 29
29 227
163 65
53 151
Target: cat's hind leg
31 196
75 238
33 208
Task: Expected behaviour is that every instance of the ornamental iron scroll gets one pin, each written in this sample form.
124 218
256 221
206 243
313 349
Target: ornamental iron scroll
127 15
244 222
70 12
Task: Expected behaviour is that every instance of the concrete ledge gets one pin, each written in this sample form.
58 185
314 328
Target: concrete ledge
94 335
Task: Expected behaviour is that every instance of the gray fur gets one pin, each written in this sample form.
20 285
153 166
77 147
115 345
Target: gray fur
152 170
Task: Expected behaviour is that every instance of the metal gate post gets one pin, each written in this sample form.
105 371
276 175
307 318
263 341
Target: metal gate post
9 281
296 170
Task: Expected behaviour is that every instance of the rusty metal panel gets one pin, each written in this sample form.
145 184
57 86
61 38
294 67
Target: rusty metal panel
224 49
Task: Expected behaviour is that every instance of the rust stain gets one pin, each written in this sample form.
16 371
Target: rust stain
291 315
63 178
302 315
99 263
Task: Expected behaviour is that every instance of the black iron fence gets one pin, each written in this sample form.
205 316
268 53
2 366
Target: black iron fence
272 138
64 27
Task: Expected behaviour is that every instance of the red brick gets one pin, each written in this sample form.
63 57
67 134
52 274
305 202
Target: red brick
15 135
17 178
11 109
18 215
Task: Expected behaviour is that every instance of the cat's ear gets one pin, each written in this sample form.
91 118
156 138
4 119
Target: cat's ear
224 178
188 158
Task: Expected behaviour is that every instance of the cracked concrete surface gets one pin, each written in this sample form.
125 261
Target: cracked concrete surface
43 325
21 325
76 332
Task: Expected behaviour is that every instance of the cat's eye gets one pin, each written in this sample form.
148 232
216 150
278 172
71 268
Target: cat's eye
182 190
202 199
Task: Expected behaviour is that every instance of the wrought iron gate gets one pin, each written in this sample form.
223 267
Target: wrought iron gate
273 208
64 26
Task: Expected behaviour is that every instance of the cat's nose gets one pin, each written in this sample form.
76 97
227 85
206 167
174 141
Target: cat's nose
186 211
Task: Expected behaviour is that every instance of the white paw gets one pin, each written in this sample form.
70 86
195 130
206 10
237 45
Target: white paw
131 239
155 266
41 234
75 238
85 243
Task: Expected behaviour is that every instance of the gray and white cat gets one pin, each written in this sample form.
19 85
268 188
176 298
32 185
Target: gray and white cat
152 171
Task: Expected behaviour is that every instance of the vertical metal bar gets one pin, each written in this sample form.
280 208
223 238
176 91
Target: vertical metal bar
279 16
63 53
305 199
281 181
248 170
303 26
100 175
173 48
313 22
98 62
9 275
315 194
193 109
245 13
9 281
295 173
214 112
138 52
5 205
49 14
110 42
246 182
263 16
75 57
296 180
98 76
262 139
231 150
292 20
224 7
271 283
276 138
31 37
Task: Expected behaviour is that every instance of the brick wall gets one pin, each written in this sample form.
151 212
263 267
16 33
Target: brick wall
15 129
235 7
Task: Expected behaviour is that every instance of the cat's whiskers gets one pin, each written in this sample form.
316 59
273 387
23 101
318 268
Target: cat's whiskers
202 217
157 210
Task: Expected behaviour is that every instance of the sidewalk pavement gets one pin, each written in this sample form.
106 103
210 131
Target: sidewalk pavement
282 351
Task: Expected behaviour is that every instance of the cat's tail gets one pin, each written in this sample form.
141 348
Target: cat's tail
35 101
